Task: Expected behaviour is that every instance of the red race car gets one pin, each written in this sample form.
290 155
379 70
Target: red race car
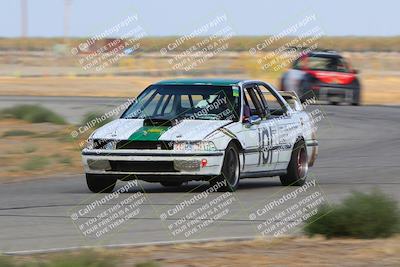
325 75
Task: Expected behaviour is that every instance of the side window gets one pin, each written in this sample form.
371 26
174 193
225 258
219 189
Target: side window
186 102
342 65
275 105
299 63
253 101
249 102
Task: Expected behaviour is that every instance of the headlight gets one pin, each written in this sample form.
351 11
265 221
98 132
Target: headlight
110 145
89 144
195 146
101 144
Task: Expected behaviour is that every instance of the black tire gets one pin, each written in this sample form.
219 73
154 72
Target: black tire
171 184
230 173
356 93
100 183
305 93
283 78
298 166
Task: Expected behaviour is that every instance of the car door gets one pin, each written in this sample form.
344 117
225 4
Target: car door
284 126
268 136
258 137
250 132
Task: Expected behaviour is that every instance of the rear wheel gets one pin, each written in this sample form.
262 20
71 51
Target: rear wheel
100 183
298 166
356 93
230 174
171 184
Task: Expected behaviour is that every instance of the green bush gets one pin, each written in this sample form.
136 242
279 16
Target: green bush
65 160
6 262
147 264
96 118
361 215
35 163
32 113
30 148
17 133
83 259
86 258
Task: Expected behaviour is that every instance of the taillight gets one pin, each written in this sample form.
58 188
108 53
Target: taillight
332 77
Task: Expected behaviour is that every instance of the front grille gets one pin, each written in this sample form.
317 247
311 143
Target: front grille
142 166
162 145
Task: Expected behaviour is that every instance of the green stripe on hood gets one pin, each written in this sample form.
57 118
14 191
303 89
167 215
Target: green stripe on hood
148 133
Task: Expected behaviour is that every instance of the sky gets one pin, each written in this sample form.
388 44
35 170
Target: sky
179 17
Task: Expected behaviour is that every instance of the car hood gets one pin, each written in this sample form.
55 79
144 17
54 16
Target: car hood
134 129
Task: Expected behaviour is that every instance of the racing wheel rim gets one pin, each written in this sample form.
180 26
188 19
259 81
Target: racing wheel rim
302 163
232 168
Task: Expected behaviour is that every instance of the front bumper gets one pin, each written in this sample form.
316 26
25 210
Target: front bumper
152 162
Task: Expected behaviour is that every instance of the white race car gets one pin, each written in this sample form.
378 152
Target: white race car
216 130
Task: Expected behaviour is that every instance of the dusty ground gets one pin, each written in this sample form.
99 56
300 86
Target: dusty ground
379 74
296 251
377 89
45 149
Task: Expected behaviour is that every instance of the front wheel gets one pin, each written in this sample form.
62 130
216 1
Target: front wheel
100 183
298 166
230 174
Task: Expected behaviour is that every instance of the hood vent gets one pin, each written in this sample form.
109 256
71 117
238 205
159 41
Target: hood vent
157 122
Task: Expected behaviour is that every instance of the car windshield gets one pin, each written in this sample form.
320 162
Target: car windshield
178 102
326 63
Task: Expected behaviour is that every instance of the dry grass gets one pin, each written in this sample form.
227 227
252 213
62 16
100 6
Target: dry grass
377 90
49 150
381 90
379 74
299 251
237 43
74 86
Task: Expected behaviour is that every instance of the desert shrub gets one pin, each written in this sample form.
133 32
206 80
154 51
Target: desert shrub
6 262
147 264
83 259
30 148
32 113
361 215
17 133
65 160
35 163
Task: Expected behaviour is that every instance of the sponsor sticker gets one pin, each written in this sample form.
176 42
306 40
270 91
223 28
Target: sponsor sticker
235 91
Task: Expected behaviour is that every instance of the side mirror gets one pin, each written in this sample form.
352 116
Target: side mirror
356 71
254 119
297 106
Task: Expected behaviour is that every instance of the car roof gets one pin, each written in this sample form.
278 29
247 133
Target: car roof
331 54
217 82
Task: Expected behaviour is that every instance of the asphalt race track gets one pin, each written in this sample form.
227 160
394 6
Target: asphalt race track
359 150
